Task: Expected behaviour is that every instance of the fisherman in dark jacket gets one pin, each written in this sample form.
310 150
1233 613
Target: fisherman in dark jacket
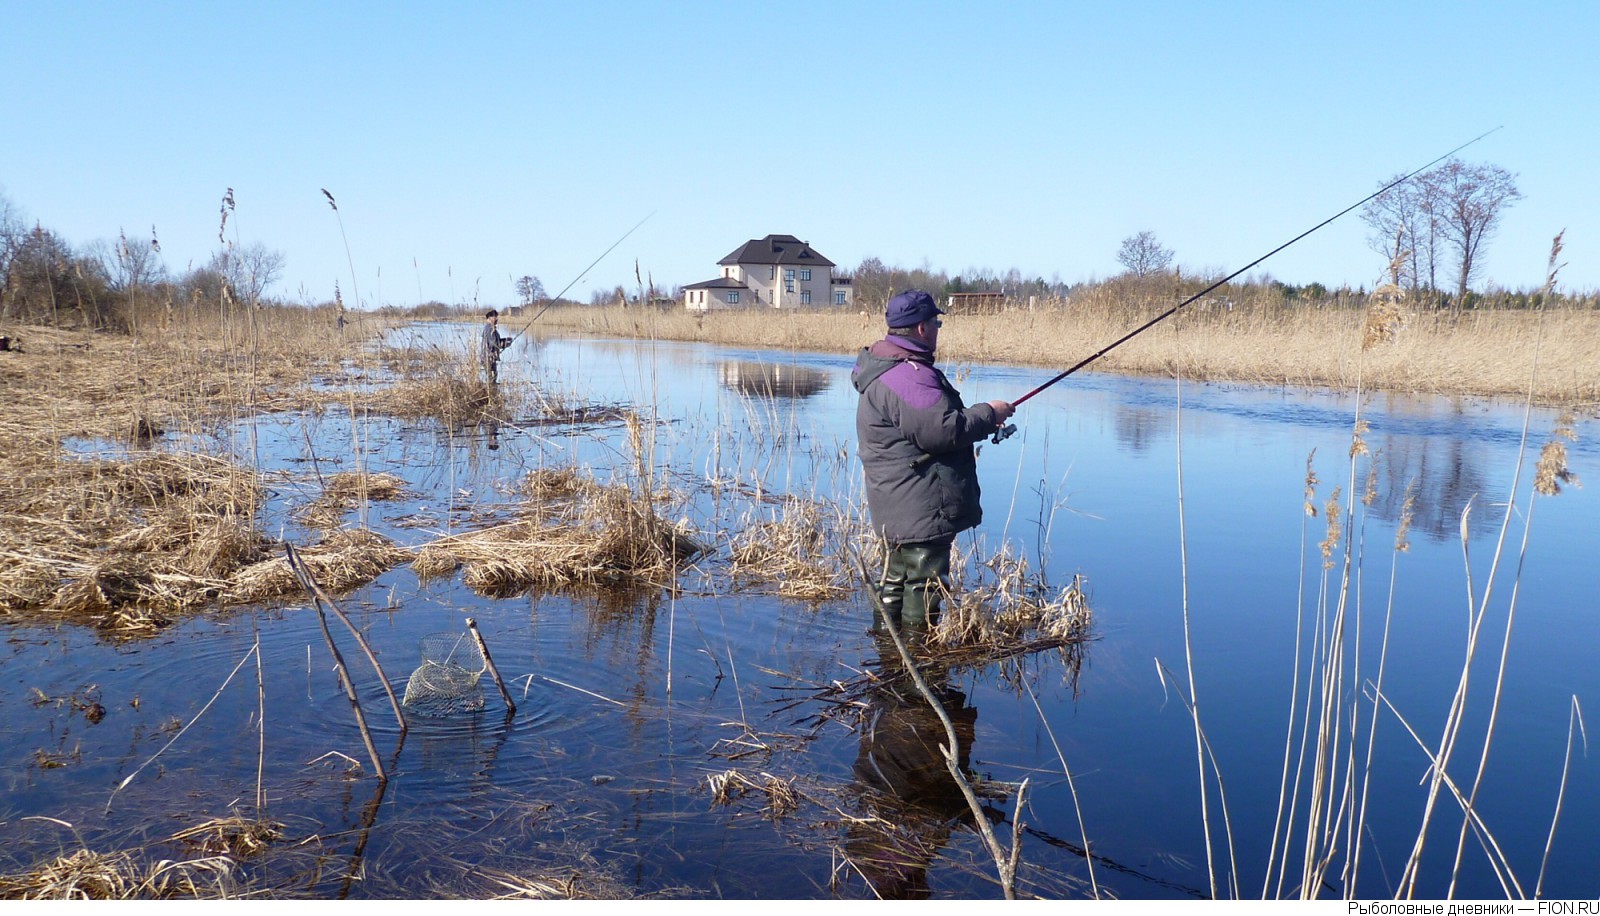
493 343
915 438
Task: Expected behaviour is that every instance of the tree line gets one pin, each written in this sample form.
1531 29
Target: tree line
45 278
1432 231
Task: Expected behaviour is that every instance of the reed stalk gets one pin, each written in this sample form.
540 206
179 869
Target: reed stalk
254 649
1516 585
1574 724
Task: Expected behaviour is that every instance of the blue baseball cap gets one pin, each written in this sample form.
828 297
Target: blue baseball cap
910 308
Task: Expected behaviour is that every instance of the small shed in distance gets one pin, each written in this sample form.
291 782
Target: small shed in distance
984 303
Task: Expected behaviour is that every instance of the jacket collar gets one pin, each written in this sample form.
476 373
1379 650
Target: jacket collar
896 347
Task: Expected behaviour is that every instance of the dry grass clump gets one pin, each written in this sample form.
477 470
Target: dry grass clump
590 881
123 543
782 799
795 552
612 537
1010 610
452 397
1386 315
345 490
343 560
89 875
1552 472
235 836
545 484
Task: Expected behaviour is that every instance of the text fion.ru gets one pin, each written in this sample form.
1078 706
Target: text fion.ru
1509 908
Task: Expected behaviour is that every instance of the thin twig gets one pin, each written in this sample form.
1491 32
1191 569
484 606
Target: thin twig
1575 720
225 681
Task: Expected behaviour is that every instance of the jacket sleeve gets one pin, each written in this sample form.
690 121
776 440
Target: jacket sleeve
945 425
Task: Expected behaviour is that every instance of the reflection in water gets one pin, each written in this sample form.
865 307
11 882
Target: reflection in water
771 380
1138 428
1445 475
904 780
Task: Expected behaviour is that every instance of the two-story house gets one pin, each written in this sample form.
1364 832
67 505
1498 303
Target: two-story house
779 271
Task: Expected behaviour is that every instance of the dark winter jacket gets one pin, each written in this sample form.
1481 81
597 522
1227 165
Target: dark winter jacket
915 438
492 344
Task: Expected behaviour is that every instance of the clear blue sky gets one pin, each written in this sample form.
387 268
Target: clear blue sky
471 143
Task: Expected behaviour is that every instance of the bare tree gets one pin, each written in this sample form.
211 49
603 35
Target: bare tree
248 270
1405 225
1142 255
12 233
529 289
129 263
1470 201
45 278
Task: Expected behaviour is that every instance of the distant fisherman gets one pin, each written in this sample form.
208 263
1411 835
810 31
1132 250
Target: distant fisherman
493 344
915 441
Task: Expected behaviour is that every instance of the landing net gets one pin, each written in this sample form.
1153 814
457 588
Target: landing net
447 682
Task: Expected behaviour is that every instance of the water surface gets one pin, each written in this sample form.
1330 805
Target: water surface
627 703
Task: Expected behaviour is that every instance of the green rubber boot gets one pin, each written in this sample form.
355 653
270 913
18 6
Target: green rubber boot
891 593
926 569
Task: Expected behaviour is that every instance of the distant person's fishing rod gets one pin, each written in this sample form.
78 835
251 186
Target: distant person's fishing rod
1174 310
557 297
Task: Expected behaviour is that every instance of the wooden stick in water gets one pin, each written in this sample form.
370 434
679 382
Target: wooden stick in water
320 597
472 627
338 661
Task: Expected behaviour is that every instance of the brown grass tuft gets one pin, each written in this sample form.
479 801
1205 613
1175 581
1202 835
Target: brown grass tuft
1011 609
235 836
343 560
1386 316
89 875
345 490
613 537
796 552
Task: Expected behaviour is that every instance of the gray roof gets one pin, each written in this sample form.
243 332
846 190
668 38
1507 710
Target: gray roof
777 249
718 283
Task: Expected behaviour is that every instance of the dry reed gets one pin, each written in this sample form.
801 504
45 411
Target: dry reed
89 875
343 560
798 552
238 837
1006 609
346 490
1482 353
611 537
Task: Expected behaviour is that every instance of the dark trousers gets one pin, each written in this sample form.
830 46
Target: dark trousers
915 578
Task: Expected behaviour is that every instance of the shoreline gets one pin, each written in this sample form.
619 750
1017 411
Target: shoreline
1545 356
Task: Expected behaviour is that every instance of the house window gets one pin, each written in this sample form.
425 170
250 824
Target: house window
733 298
838 297
805 297
788 273
788 286
805 273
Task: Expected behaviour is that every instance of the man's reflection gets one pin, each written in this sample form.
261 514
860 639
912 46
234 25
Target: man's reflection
903 778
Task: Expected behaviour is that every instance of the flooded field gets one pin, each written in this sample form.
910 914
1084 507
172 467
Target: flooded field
730 729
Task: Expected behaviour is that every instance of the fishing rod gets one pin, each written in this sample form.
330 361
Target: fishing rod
557 297
1007 430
